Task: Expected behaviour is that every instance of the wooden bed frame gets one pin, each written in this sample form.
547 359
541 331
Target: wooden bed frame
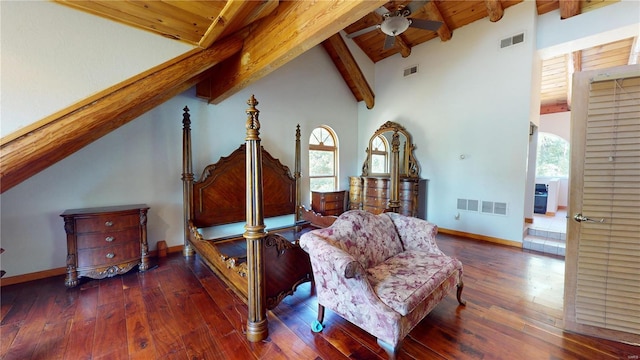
255 264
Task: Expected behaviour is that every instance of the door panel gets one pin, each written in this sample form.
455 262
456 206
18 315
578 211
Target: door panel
602 276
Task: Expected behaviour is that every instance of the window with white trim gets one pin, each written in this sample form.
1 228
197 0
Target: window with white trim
323 156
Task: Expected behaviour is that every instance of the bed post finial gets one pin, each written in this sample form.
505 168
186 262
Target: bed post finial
187 180
254 234
253 124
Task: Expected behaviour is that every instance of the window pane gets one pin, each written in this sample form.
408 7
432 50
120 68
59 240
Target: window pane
553 156
378 144
322 184
320 163
378 164
321 136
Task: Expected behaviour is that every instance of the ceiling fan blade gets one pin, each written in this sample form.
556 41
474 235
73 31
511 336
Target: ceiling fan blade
425 24
381 11
417 5
362 31
389 41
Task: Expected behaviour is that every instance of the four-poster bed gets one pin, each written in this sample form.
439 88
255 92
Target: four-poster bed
248 185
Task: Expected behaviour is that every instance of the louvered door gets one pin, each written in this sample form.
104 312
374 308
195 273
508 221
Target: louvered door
602 278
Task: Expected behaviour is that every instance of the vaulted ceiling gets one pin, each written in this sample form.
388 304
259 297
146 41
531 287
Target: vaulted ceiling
238 42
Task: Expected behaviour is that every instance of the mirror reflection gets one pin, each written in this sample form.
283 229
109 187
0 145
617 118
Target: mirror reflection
379 153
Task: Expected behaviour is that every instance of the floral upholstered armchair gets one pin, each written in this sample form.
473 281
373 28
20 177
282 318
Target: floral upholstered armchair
384 273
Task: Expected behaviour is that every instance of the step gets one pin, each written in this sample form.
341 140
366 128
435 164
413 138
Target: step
544 245
547 234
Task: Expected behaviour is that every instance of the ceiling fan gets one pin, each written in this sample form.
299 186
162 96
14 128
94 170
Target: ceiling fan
396 22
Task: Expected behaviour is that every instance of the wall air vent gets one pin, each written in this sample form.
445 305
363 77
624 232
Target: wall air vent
467 204
512 40
462 204
484 207
472 205
487 207
500 208
411 70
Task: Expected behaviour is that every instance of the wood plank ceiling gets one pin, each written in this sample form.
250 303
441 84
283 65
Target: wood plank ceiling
238 42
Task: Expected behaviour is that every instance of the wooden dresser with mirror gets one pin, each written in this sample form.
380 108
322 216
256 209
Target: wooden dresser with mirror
390 179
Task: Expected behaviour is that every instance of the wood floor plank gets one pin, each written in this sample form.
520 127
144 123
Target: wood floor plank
200 345
51 345
163 325
80 342
139 339
182 310
110 336
9 333
211 314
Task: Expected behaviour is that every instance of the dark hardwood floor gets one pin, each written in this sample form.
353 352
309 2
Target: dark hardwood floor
181 310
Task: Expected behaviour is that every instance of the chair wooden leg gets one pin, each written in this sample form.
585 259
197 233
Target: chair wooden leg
316 325
391 350
459 294
320 313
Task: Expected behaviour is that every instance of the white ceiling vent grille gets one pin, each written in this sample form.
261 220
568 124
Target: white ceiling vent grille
411 70
512 40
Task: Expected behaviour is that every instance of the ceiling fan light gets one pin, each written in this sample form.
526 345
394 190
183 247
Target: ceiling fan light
395 25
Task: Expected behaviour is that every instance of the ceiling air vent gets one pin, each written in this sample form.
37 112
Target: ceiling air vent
512 40
411 70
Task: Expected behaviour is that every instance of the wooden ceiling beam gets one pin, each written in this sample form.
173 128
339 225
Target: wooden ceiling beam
569 8
494 9
554 108
60 135
235 15
433 13
295 27
349 69
405 49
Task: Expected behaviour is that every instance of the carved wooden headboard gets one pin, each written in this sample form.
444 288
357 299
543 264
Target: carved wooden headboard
219 197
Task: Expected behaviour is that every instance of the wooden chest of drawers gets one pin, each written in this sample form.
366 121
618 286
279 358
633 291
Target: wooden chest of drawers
104 242
328 202
375 194
372 194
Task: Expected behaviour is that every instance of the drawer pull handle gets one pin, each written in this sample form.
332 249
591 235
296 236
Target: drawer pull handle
109 239
108 223
110 255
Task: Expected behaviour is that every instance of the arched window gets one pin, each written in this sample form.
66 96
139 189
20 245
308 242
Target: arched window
379 155
323 159
553 156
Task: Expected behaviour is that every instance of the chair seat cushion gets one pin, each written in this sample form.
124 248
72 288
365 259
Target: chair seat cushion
403 281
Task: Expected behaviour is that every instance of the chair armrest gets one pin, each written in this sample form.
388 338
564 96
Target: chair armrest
331 257
341 283
416 234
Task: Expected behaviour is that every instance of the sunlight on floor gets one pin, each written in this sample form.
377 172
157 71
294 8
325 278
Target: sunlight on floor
556 223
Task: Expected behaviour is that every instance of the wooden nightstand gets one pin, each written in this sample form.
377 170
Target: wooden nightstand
328 202
106 241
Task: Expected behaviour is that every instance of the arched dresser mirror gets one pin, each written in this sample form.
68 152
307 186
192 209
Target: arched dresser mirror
390 179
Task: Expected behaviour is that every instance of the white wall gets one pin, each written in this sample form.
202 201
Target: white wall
557 123
54 56
468 98
610 23
141 162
